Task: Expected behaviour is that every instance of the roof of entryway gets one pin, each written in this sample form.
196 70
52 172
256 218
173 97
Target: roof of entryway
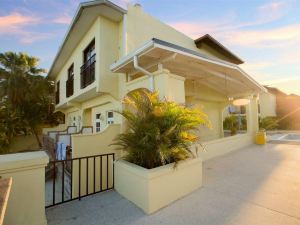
222 76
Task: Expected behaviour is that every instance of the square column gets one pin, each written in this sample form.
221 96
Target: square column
252 116
169 86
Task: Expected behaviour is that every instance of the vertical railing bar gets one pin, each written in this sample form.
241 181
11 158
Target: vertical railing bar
63 182
79 179
87 176
113 170
101 173
94 173
107 171
71 188
110 158
54 176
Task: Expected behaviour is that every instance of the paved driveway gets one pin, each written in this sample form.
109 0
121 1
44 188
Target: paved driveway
258 185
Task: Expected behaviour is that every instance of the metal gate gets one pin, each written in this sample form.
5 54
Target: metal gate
72 179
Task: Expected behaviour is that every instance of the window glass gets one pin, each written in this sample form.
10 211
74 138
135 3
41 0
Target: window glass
110 117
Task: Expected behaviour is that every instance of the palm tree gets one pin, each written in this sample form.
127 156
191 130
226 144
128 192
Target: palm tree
25 89
159 132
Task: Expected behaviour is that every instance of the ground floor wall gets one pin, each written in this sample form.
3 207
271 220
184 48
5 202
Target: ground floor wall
96 172
211 149
93 112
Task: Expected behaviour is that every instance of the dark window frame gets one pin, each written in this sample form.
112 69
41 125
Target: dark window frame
87 70
57 92
70 81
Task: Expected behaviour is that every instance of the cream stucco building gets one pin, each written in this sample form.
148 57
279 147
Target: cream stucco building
109 51
267 104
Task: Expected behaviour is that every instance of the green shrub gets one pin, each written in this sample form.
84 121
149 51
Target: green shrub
268 123
231 123
158 132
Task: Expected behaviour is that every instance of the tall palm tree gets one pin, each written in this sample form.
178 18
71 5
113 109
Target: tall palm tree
15 71
24 89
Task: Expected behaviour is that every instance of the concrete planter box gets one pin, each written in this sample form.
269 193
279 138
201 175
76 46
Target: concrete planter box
152 189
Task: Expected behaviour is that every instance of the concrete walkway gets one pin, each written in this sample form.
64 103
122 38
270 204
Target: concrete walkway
253 186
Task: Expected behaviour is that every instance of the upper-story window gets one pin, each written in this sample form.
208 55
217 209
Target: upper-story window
70 81
87 70
57 92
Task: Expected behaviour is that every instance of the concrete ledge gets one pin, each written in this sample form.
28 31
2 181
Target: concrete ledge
152 189
18 161
223 146
26 204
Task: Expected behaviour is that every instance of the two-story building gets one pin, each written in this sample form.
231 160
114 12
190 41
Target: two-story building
109 51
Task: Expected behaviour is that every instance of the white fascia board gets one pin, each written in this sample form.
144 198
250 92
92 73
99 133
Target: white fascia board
151 44
228 65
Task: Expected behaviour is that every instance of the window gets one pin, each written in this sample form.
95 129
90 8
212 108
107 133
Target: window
110 117
71 72
70 81
87 70
57 92
98 124
89 51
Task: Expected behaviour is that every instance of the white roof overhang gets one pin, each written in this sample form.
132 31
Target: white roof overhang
86 14
222 76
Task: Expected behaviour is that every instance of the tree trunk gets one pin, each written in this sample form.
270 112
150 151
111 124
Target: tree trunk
37 137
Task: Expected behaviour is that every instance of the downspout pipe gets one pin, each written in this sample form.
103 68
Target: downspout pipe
141 69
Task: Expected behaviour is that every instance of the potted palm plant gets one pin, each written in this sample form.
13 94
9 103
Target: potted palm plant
158 166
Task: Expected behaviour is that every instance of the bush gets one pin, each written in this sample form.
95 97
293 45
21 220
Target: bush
231 123
159 132
268 123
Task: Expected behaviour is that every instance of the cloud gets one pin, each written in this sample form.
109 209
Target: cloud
272 11
15 24
65 19
274 37
234 32
15 21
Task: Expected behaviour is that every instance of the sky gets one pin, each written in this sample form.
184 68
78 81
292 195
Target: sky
264 33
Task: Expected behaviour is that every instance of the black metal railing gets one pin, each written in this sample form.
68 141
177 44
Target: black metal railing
87 72
70 87
79 177
56 97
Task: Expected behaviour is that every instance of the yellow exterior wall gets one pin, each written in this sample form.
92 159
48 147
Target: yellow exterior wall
155 188
168 85
211 149
108 53
103 109
26 204
90 145
267 104
206 49
76 57
211 103
59 127
137 35
141 28
86 111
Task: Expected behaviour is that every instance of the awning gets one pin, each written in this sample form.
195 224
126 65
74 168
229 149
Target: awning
222 76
